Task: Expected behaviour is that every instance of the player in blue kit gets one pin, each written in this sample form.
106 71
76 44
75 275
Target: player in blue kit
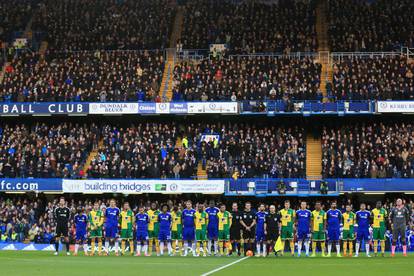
363 219
141 224
81 225
303 223
260 230
188 216
333 218
212 227
164 235
111 226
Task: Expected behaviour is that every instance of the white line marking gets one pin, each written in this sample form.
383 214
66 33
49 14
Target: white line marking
224 266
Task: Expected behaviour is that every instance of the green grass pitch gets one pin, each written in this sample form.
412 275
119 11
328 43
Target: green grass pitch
44 263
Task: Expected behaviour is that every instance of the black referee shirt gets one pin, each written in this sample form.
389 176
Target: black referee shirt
62 215
235 221
272 222
248 217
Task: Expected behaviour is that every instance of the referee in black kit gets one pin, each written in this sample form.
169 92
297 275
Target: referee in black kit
272 226
248 221
62 216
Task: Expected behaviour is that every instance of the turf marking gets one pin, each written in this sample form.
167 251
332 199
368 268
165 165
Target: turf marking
224 266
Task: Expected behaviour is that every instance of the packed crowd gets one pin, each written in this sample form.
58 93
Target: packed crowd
369 78
44 150
250 26
247 78
143 151
109 24
368 150
247 151
380 25
14 16
95 76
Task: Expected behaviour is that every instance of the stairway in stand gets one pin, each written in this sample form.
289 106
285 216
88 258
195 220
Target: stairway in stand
201 174
166 87
323 45
313 158
92 156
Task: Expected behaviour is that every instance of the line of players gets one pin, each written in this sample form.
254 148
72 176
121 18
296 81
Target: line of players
218 231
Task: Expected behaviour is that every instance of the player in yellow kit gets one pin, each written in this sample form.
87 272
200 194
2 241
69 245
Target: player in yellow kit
176 229
96 221
201 221
224 224
127 223
379 228
287 217
348 234
153 229
318 228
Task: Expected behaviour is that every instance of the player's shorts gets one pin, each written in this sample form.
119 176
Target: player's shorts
260 236
212 232
142 235
286 233
153 234
177 235
249 235
378 234
188 233
318 236
111 232
398 231
62 230
224 235
201 235
363 234
348 235
303 234
164 235
334 234
96 233
235 234
127 234
272 234
81 236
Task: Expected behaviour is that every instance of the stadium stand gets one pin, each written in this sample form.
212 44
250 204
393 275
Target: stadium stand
73 25
250 26
238 78
45 150
94 76
373 26
368 150
373 77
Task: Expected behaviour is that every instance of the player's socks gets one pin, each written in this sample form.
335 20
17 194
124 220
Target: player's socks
393 249
307 245
329 248
264 251
150 246
245 247
292 247
404 250
107 247
299 247
138 249
185 248
76 248
215 247
193 246
116 247
376 247
367 249
197 248
85 249
345 245
357 245
57 245
131 246
123 247
323 248
338 249
92 247
382 247
351 248
180 246
238 248
67 246
169 247
146 249
161 248
258 249
204 248
99 247
222 248
209 247
313 248
157 246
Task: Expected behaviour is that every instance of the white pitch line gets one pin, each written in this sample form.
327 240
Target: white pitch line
224 266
